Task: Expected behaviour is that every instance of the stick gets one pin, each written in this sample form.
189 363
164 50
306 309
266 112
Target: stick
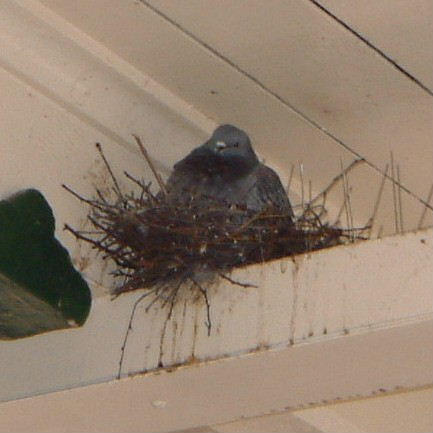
292 169
129 329
400 205
301 175
337 178
98 146
424 211
236 283
149 162
372 219
394 196
206 299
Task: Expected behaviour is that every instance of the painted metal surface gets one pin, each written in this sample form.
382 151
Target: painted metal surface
312 301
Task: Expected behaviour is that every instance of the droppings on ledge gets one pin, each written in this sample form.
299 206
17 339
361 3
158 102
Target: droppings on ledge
162 246
159 244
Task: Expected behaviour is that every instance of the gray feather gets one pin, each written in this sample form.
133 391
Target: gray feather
226 169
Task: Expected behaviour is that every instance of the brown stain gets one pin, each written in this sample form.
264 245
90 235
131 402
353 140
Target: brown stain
194 335
174 338
161 341
295 272
262 347
82 263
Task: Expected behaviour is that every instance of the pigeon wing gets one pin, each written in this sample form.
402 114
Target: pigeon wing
266 191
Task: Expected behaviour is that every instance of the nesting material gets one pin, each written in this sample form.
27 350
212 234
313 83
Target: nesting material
161 246
158 245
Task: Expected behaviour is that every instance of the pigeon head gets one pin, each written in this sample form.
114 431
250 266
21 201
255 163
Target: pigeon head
233 145
228 152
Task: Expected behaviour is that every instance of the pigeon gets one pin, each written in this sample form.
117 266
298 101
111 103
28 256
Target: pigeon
225 169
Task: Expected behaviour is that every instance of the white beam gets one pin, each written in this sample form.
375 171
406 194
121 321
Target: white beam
350 291
251 385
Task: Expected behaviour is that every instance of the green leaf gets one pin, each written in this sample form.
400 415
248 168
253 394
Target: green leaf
39 288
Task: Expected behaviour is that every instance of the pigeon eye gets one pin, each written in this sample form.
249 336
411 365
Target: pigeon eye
220 145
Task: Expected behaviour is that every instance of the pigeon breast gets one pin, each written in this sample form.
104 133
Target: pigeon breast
235 178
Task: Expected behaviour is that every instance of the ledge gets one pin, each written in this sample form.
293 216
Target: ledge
305 375
331 311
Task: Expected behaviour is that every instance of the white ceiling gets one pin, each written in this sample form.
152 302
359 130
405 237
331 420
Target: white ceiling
400 29
307 89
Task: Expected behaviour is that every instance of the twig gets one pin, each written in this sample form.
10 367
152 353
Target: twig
394 196
424 211
349 201
206 299
83 199
173 299
156 298
345 196
372 219
400 204
149 162
118 190
337 178
249 222
128 329
144 188
342 208
80 236
289 183
236 283
301 175
172 296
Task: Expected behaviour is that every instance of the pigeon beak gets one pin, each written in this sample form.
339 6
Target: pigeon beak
220 145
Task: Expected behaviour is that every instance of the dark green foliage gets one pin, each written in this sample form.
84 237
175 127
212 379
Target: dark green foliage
33 259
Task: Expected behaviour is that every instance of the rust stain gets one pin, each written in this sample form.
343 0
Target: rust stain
295 272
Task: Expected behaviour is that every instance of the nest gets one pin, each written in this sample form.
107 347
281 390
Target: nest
157 244
160 246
